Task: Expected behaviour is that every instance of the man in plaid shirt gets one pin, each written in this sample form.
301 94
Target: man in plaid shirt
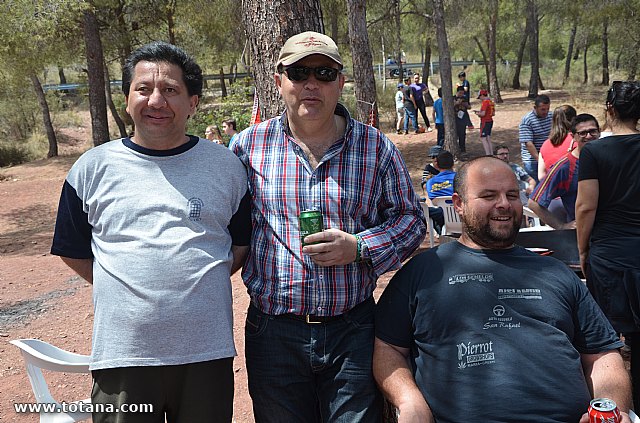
309 329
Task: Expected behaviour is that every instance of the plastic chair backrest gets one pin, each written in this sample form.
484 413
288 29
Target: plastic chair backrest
452 222
531 217
430 230
40 355
634 418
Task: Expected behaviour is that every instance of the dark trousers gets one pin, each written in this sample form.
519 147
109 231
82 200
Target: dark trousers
461 130
423 111
440 129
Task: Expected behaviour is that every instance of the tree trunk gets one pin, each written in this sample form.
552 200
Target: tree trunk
223 86
584 63
46 116
171 21
567 64
95 65
494 86
450 137
61 75
112 107
268 24
334 14
426 70
523 43
532 16
485 60
396 17
365 82
605 52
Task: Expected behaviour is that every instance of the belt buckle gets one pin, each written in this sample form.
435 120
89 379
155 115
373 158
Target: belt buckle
311 322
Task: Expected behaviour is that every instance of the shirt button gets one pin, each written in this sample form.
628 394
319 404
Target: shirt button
321 277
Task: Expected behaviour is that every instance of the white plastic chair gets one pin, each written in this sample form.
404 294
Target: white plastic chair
452 222
40 355
430 230
633 417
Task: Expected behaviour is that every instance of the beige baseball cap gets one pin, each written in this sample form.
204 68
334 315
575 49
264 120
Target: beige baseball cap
305 44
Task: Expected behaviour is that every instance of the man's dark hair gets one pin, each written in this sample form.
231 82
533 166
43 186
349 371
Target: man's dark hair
231 123
460 180
157 52
445 160
461 74
581 118
460 88
542 99
500 147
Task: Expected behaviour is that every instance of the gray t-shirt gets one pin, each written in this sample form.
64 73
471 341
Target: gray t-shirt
156 224
494 335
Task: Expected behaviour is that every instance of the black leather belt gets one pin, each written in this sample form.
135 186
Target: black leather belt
313 319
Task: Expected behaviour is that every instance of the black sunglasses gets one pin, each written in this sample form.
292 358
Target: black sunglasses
321 73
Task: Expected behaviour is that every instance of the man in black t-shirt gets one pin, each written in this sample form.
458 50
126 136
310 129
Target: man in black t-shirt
485 330
410 107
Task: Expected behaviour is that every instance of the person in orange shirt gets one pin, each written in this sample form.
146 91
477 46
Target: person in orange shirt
486 113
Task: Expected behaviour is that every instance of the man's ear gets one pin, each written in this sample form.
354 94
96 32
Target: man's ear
278 79
457 203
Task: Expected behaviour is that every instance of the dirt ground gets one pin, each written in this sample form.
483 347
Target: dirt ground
41 298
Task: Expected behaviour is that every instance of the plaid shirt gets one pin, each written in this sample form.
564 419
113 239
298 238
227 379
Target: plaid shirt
361 186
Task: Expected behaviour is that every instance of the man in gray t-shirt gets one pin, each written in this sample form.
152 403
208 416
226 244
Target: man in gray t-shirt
157 223
485 330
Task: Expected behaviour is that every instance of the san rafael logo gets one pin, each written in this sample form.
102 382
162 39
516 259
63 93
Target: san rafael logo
475 354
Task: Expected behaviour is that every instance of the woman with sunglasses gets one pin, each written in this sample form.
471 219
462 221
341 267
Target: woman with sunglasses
608 218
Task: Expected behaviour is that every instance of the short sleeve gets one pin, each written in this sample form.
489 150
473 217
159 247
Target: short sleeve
393 315
525 131
588 168
593 332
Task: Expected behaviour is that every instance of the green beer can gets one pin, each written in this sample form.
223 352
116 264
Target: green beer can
310 223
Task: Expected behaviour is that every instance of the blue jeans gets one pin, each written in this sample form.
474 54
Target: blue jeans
410 113
311 373
532 169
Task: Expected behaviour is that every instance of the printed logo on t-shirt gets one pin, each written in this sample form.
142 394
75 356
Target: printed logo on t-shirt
471 277
195 208
499 320
519 293
475 354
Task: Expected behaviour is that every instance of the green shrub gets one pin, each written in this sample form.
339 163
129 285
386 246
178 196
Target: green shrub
16 152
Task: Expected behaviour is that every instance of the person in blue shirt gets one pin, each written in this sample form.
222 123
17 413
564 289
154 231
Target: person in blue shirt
440 185
438 118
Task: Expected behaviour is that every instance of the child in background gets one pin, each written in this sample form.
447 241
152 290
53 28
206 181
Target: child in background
399 108
486 113
438 118
464 83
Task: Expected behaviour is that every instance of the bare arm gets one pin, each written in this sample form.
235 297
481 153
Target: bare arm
392 373
532 150
83 267
607 377
541 168
586 207
531 185
548 217
239 257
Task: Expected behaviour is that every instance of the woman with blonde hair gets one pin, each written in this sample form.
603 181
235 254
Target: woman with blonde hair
560 140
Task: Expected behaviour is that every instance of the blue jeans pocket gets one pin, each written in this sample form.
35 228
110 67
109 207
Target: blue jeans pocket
256 322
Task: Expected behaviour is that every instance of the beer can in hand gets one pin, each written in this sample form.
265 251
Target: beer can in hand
310 223
604 410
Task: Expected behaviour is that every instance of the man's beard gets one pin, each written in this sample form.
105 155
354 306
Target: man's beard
481 232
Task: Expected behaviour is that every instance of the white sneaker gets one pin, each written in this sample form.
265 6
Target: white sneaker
429 129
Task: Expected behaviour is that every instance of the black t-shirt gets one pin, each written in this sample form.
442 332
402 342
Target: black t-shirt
615 162
494 335
407 92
